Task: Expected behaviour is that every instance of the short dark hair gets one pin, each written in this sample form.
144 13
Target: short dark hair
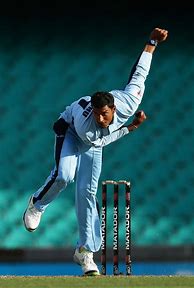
101 99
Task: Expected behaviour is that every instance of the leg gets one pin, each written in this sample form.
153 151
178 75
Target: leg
64 172
88 173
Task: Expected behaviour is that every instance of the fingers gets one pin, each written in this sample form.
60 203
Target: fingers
140 116
162 33
159 34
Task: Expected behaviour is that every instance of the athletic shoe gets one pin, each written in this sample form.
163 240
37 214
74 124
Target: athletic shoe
84 258
31 217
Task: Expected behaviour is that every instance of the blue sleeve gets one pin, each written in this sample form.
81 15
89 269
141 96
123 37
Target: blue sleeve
128 100
105 140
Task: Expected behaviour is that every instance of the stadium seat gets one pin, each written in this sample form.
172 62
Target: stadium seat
37 84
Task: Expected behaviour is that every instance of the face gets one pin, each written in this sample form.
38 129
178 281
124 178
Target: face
104 115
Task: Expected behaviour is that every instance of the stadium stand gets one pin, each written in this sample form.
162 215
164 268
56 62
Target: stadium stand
36 84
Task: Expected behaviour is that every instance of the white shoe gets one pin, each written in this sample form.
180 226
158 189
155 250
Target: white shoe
84 258
31 217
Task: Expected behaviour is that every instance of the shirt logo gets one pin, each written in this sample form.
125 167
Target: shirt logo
83 103
87 111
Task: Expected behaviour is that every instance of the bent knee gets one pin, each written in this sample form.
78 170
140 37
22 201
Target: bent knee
65 178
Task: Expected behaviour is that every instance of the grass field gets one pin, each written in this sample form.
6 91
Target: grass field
97 282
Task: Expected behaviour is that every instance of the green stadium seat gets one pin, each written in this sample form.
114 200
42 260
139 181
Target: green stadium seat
37 81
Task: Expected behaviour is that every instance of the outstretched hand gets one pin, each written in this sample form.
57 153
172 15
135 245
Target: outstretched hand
159 34
140 117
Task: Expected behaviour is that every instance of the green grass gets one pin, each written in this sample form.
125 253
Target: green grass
97 282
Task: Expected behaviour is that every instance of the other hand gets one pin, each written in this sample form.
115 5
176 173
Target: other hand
159 34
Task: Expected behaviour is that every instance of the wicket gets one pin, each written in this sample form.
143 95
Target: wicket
116 185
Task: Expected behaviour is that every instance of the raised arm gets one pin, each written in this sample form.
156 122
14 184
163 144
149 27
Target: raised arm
130 98
156 36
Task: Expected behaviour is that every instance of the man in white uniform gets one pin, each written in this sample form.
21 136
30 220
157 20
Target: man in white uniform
82 130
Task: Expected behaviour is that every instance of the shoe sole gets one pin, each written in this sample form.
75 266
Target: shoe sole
92 273
28 229
88 273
